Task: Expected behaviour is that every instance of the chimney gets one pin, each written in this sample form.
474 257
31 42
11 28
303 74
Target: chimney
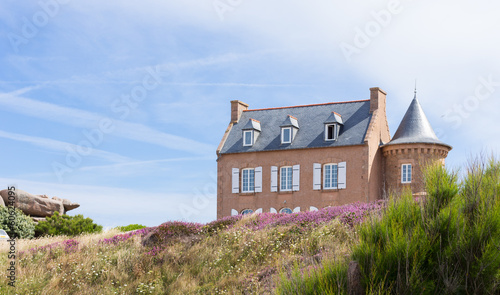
377 99
236 108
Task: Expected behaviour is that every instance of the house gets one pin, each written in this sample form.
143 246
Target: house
302 158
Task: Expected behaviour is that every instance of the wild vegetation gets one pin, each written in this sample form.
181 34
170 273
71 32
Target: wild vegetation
233 255
447 242
58 224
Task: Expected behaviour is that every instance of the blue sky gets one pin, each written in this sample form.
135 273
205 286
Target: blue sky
120 105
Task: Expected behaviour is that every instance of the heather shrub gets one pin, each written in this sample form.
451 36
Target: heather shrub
22 227
220 224
57 225
131 227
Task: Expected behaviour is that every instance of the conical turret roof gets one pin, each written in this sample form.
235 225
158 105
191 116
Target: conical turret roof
415 128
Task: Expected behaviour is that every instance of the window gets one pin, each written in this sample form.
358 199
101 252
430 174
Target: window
330 174
406 173
286 135
246 211
286 210
248 180
330 132
286 178
248 138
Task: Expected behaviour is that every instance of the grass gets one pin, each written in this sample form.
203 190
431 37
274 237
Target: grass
234 255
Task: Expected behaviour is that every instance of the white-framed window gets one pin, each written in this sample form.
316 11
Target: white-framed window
246 211
286 178
330 132
248 180
330 176
406 173
286 135
248 138
286 210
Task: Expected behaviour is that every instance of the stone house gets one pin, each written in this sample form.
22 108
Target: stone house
302 158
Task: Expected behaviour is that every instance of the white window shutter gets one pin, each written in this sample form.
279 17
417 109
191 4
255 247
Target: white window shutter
274 179
272 210
312 208
258 211
258 179
342 175
316 176
296 178
297 209
236 180
234 212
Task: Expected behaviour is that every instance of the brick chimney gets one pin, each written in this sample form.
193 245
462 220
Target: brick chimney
236 108
377 99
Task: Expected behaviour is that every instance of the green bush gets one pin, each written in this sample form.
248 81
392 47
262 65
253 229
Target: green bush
446 243
131 227
57 225
23 227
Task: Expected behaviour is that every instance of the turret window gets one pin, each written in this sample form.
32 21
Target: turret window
406 173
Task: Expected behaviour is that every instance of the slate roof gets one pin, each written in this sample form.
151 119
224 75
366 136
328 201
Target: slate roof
355 116
415 128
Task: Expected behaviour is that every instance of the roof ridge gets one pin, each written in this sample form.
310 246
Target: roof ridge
307 105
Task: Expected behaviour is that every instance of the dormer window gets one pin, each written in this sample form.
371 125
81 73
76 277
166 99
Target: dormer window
248 138
332 126
289 129
251 132
330 132
286 135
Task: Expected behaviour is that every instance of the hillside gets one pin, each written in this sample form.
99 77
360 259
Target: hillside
234 255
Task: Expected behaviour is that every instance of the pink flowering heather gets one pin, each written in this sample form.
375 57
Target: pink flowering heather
123 237
69 246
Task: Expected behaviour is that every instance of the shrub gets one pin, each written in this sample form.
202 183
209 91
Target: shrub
131 227
446 243
22 227
57 225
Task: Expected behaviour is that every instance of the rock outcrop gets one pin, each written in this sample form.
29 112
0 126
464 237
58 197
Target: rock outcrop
39 205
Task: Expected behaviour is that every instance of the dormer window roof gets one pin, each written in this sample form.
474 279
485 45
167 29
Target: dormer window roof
290 121
332 126
334 118
251 132
252 124
289 129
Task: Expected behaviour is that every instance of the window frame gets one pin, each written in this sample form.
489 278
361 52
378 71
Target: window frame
331 176
247 181
283 135
251 137
285 208
249 211
406 174
334 132
289 179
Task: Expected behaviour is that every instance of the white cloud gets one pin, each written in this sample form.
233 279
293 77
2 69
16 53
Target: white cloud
60 146
89 120
113 206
